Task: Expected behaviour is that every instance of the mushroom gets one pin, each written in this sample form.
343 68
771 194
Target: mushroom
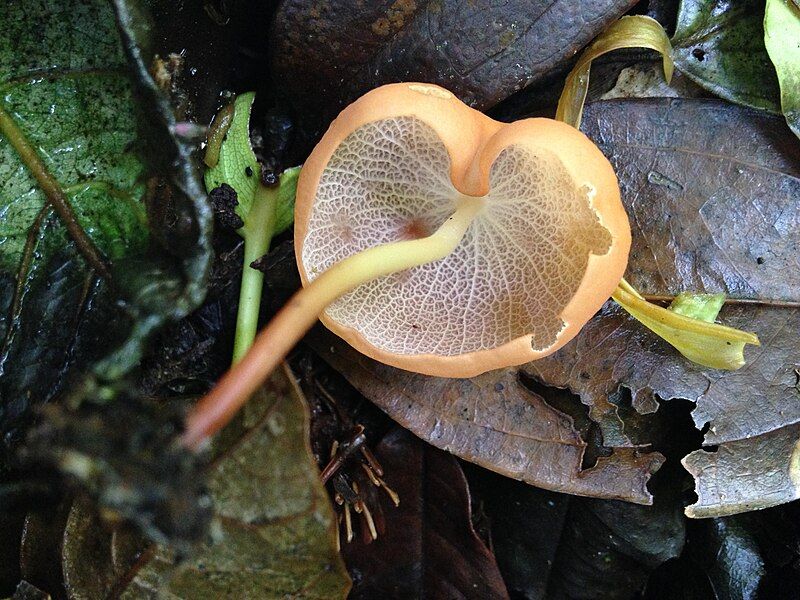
435 239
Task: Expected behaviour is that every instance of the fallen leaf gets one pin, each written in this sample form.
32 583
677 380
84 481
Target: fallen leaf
274 534
429 548
710 221
93 556
720 45
326 54
75 194
497 423
646 80
781 35
551 545
724 232
39 549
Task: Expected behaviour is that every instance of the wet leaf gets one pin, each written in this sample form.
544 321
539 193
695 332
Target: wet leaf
720 45
721 221
325 55
73 133
494 421
551 545
782 39
428 548
274 532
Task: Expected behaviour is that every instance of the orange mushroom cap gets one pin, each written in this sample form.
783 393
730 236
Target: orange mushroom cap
542 256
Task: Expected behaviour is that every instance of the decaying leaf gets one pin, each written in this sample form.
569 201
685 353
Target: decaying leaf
646 80
553 545
781 35
93 556
428 549
494 421
729 223
79 247
274 534
326 54
720 45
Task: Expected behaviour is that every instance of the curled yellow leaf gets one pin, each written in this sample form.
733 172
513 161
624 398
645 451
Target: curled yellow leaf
635 31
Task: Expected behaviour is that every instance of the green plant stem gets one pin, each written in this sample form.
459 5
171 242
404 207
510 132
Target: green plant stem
301 312
257 234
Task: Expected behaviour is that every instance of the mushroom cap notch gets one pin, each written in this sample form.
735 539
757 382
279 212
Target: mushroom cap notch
544 253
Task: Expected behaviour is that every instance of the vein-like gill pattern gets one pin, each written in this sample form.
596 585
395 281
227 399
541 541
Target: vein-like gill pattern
516 269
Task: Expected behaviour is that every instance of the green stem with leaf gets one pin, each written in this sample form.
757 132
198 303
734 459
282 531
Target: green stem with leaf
265 211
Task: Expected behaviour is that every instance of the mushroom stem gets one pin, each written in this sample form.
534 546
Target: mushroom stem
298 315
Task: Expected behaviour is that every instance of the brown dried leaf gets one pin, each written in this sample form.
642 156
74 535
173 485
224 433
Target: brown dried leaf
327 54
429 548
495 422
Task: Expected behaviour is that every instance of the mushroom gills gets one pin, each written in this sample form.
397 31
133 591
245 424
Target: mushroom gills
517 267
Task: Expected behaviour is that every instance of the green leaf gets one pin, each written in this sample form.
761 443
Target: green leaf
233 162
704 307
782 39
719 44
86 236
286 195
236 162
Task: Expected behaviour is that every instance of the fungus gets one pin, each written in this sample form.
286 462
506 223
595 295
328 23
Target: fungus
437 240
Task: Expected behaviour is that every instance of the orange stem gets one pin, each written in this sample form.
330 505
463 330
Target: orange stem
272 344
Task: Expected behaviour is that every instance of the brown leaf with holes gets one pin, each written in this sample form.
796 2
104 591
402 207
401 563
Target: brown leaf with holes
493 421
705 220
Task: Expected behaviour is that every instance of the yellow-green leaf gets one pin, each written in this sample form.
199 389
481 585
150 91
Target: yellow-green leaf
705 307
629 32
707 344
782 38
